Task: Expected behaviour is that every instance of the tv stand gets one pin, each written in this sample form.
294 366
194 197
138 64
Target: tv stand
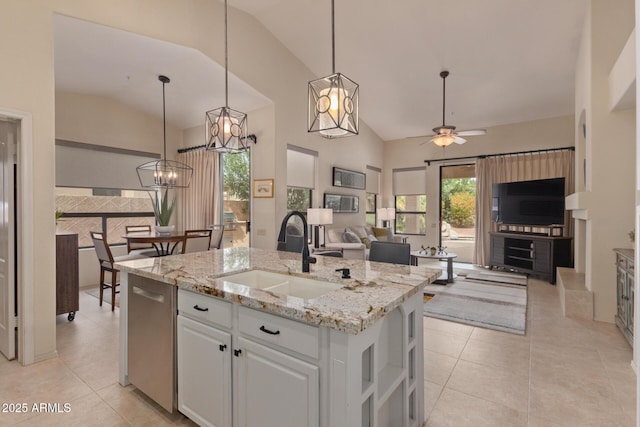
530 253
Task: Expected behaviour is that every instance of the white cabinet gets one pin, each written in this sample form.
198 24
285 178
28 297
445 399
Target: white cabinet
242 367
204 373
275 389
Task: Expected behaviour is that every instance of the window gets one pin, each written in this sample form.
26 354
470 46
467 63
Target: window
84 211
409 188
411 214
301 178
373 189
371 209
97 189
298 199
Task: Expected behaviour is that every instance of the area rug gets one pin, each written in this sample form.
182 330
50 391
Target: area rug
502 306
498 277
106 296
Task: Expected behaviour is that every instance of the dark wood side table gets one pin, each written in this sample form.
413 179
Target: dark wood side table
67 275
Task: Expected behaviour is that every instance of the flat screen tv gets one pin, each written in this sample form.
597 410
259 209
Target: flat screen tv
539 202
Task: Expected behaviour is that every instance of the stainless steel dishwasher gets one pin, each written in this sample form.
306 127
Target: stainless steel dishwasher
151 339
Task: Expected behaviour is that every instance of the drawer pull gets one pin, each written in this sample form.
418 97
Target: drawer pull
195 307
267 331
223 347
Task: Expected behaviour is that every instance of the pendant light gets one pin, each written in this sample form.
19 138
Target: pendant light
226 129
163 173
333 100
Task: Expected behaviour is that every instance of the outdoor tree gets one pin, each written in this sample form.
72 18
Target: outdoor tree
456 186
236 175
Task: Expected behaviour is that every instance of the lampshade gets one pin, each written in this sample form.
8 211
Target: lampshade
386 214
226 129
333 100
333 106
319 216
163 173
443 140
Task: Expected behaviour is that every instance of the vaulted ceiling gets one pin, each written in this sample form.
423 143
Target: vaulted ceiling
510 60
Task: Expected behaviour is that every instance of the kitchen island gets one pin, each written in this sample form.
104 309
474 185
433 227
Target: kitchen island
249 354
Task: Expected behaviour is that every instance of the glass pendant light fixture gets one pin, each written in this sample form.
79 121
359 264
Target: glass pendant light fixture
163 173
226 129
333 100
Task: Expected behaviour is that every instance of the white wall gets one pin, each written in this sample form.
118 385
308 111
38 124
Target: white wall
103 121
534 135
609 150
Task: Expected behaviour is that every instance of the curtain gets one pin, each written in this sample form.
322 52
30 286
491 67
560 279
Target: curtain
199 204
510 168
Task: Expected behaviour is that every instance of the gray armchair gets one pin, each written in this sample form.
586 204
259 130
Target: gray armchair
391 252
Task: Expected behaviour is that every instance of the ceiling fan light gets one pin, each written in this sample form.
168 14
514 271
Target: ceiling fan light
443 140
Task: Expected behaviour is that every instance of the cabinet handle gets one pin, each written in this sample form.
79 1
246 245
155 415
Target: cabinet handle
223 347
237 352
267 331
200 309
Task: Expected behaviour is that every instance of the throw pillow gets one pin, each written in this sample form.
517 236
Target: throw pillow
350 237
372 238
366 241
380 232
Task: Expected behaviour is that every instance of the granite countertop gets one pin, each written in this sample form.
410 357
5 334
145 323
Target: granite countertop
374 288
629 253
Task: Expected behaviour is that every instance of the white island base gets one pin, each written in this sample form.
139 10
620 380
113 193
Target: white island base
237 366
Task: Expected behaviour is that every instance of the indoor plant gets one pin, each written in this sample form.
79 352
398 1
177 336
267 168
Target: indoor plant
163 209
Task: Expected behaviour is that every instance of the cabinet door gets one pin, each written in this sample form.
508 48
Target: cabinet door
630 295
542 259
621 292
275 389
204 373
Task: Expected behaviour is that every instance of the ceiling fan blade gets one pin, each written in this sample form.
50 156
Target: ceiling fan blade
459 140
473 132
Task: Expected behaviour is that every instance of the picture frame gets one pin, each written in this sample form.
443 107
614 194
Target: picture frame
263 188
349 179
341 203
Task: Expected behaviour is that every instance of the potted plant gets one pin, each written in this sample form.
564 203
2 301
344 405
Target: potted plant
163 209
432 250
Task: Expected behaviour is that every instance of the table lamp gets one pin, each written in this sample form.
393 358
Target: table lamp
386 215
319 217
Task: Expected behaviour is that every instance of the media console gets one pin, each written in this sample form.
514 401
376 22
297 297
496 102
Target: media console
534 254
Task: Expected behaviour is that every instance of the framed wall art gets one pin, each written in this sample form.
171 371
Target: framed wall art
341 203
263 188
349 179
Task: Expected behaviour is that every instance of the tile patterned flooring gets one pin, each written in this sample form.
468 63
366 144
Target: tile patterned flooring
563 372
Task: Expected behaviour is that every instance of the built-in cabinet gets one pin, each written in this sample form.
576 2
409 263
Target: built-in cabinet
243 367
625 290
530 253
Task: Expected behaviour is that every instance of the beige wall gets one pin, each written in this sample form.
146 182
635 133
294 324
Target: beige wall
609 150
533 135
27 84
103 121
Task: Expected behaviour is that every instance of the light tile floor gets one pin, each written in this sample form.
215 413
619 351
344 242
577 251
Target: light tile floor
563 372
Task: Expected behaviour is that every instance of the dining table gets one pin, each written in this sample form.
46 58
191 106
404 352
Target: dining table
164 243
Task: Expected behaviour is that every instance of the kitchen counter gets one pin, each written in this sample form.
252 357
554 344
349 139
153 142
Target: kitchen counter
373 290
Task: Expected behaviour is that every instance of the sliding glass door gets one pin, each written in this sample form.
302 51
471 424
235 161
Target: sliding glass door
236 215
458 210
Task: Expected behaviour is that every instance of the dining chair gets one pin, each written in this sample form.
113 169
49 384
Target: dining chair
107 261
145 249
196 241
391 252
217 231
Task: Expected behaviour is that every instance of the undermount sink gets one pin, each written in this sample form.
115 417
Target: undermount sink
283 284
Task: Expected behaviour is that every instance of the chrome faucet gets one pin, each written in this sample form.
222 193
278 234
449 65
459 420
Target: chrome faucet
282 238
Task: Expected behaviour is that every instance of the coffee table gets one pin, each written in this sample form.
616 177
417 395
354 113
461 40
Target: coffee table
439 256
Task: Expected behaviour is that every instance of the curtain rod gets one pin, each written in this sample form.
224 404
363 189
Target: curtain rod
251 137
484 156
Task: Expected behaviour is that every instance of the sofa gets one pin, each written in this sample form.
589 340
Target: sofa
354 240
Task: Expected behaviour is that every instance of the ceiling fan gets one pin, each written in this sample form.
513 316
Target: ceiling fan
446 135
